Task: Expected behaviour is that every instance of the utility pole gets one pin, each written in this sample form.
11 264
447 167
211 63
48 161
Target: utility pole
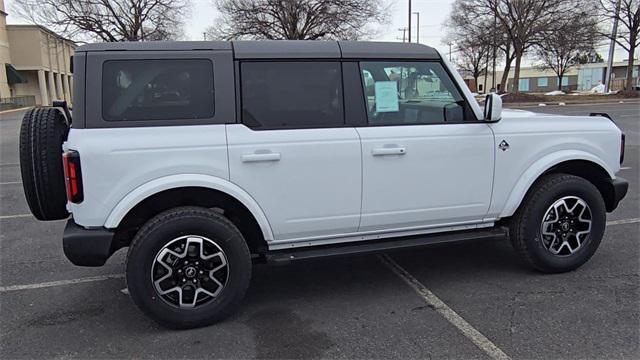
612 47
404 34
409 26
495 53
450 45
417 26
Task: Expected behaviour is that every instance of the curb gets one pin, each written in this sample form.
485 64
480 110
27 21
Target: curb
566 103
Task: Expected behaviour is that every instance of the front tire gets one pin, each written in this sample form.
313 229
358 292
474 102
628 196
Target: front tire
560 223
188 267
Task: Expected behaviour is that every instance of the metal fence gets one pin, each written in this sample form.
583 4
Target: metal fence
17 102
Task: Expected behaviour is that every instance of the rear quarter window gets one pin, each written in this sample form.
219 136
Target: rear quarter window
165 89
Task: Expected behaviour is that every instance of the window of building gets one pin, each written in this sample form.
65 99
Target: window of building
523 85
543 82
291 94
481 88
565 81
409 93
157 89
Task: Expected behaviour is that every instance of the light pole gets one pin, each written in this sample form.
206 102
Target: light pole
417 26
404 34
409 26
450 45
612 47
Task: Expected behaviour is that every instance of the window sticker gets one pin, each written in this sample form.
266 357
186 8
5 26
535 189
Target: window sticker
386 96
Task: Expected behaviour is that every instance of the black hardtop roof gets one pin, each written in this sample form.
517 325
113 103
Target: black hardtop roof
282 49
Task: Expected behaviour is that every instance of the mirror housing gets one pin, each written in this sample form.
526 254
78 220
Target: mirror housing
493 108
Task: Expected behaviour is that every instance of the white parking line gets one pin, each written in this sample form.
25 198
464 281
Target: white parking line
9 288
11 183
625 168
15 216
456 320
623 221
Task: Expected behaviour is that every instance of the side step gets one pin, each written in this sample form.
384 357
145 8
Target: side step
376 246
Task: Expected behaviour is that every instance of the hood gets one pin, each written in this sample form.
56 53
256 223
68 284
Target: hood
515 113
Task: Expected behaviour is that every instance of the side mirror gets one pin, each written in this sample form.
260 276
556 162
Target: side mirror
493 108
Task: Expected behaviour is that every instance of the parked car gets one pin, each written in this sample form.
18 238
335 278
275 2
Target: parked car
204 158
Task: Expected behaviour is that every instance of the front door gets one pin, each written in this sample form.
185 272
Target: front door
427 161
293 153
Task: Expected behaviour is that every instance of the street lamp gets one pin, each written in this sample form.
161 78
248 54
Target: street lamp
417 26
404 34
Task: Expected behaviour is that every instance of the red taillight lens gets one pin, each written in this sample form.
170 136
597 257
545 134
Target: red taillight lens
73 176
622 140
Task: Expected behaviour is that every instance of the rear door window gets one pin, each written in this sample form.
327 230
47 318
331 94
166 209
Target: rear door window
157 89
286 95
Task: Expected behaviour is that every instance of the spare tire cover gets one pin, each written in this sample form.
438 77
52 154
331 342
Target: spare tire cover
42 133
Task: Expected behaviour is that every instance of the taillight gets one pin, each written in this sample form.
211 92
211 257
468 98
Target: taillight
622 148
73 176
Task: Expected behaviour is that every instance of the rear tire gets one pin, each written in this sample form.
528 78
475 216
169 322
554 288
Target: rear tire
42 133
560 223
188 267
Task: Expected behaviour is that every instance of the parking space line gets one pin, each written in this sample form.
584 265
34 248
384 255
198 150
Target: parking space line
9 288
449 314
623 221
11 183
10 164
15 216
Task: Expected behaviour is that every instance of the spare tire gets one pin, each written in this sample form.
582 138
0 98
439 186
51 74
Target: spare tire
42 133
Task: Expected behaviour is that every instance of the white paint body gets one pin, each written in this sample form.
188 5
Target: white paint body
319 186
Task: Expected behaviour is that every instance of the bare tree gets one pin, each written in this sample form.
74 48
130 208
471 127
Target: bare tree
473 26
108 20
527 22
297 19
628 36
473 59
568 43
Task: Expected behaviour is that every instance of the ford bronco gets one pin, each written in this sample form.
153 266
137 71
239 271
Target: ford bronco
204 158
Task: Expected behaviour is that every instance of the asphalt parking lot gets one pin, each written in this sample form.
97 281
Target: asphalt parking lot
361 307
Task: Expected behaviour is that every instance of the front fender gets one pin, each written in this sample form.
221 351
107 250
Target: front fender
540 167
188 180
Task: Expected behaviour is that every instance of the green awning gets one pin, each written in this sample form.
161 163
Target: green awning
13 76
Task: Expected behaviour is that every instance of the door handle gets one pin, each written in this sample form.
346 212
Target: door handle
258 157
389 151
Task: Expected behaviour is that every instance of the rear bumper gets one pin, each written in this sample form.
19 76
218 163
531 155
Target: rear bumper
87 247
617 190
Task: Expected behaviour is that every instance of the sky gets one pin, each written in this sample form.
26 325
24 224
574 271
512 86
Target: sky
433 15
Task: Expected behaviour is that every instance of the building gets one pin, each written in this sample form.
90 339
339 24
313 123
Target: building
37 64
578 78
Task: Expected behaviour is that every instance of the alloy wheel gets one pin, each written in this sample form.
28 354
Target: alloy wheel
566 226
190 271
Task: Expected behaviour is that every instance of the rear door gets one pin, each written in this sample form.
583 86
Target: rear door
292 151
427 161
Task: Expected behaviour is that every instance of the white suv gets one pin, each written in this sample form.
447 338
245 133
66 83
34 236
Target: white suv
205 157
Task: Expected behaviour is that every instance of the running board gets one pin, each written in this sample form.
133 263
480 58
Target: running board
376 246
